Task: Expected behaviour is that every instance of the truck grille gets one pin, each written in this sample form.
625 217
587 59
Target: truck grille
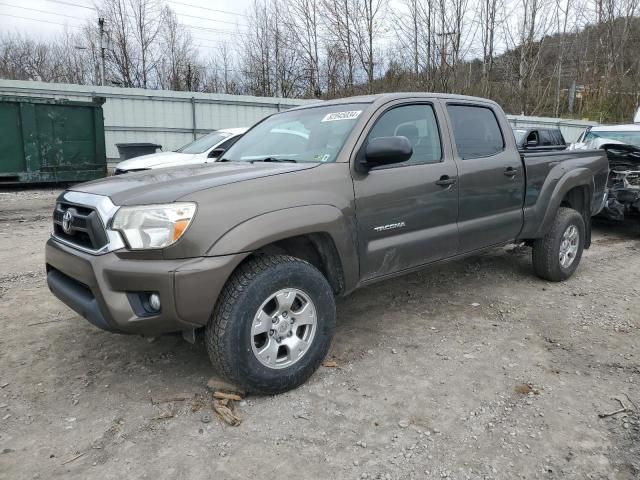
79 225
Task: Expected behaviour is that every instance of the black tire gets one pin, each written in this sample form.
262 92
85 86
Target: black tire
546 250
228 334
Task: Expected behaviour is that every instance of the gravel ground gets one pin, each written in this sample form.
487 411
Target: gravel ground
470 370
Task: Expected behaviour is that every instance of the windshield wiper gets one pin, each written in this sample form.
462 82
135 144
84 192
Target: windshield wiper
274 159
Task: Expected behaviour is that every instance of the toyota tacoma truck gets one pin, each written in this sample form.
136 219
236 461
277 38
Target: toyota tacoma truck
313 203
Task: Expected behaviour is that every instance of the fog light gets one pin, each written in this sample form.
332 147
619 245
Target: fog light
154 301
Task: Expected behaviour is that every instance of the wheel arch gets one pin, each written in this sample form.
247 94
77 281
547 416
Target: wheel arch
319 234
579 199
574 190
318 249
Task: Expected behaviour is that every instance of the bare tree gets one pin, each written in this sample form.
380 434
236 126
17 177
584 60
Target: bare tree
176 52
523 53
526 37
121 55
225 64
370 16
562 17
272 63
340 23
257 52
303 24
146 20
490 16
77 60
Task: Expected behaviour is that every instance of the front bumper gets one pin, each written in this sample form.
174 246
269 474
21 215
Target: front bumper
621 204
102 288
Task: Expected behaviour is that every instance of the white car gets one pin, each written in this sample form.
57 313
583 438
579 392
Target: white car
596 137
203 150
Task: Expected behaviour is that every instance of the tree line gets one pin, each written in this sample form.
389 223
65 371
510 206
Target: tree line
570 58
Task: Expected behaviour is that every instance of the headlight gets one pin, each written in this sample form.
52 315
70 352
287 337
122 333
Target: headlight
153 226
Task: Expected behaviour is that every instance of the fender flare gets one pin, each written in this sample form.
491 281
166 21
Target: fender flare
266 228
580 177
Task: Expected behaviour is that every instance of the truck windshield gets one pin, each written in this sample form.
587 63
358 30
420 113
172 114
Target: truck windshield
628 137
203 144
314 134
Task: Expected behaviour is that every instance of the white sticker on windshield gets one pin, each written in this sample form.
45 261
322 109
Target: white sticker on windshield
332 117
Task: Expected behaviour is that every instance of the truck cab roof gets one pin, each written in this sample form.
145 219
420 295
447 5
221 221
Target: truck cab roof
382 98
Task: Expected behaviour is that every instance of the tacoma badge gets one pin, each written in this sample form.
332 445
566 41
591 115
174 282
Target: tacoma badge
391 226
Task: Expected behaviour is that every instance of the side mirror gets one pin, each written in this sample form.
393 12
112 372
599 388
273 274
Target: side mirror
386 151
216 152
531 143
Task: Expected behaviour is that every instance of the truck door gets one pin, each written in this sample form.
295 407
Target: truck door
406 213
491 177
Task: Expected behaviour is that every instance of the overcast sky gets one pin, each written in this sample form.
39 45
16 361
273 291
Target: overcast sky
47 18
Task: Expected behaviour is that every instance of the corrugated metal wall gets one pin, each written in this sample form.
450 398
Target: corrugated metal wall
571 129
158 116
167 118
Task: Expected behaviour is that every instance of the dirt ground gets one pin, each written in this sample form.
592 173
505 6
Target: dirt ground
469 370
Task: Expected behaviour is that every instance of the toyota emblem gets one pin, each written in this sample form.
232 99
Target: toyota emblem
67 220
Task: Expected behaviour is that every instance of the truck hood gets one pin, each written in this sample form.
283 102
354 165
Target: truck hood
154 160
170 184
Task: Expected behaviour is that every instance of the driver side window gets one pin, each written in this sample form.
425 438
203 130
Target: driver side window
418 124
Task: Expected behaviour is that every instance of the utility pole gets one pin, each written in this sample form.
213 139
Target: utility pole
444 46
572 96
102 49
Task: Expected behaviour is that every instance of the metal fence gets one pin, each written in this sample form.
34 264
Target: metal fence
172 119
571 129
168 118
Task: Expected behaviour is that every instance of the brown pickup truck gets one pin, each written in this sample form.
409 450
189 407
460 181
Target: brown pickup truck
312 203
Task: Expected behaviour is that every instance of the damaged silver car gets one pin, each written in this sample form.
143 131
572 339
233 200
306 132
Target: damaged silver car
622 143
623 186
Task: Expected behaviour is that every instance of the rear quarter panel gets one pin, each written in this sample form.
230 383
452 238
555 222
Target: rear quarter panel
550 175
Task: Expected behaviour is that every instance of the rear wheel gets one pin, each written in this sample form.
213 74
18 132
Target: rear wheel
272 325
556 256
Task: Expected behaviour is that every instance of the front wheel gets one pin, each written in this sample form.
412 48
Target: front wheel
272 325
556 256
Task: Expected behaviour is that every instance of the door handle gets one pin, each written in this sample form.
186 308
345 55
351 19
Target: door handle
446 180
510 171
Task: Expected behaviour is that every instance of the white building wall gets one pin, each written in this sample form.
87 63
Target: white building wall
133 115
571 129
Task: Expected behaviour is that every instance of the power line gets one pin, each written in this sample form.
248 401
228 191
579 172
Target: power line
207 8
179 14
42 11
40 20
62 2
205 29
214 30
205 18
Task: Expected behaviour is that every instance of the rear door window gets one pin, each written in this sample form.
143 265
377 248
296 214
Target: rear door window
476 131
546 138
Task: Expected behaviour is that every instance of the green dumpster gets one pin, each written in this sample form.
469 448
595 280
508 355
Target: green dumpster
48 140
